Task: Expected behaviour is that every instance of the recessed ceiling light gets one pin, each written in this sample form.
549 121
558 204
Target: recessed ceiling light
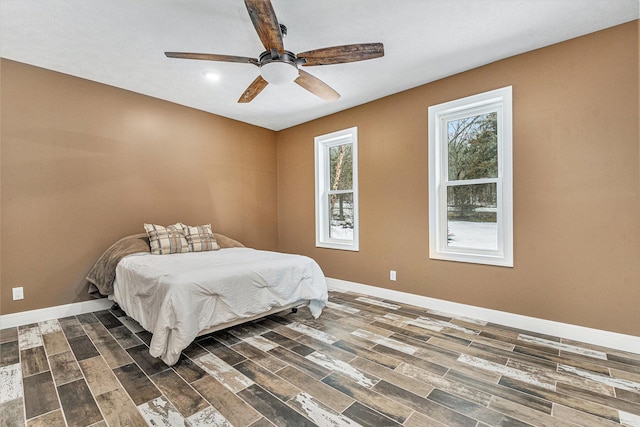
211 75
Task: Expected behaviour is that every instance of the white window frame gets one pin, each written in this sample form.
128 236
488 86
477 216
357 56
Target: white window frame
322 145
500 101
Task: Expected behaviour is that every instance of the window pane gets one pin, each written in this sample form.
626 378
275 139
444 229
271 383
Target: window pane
472 144
341 221
341 170
472 220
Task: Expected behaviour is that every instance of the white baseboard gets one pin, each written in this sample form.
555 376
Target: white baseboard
56 312
564 330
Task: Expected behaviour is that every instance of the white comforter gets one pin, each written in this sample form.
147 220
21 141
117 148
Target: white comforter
176 296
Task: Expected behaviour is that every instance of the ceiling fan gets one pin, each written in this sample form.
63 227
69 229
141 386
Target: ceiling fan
279 66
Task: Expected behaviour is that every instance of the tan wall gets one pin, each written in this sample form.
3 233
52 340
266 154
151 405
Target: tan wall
84 164
577 187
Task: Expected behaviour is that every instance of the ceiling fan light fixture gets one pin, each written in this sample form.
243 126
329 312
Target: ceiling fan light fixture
279 73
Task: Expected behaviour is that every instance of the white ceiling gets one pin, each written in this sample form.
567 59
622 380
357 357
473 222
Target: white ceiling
122 43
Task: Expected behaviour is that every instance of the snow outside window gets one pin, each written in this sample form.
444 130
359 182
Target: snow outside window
471 179
336 159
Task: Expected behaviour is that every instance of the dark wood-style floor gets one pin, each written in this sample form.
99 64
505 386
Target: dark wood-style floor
363 362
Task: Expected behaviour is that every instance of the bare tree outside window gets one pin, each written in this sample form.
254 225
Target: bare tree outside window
472 145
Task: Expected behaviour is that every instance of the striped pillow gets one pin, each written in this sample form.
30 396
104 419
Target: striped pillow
166 240
200 238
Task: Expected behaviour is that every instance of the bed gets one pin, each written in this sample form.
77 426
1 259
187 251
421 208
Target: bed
179 296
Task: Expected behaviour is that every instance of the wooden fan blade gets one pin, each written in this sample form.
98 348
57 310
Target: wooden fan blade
266 24
212 57
316 86
342 54
253 90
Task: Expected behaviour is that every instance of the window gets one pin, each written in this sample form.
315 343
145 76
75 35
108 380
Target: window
336 156
471 179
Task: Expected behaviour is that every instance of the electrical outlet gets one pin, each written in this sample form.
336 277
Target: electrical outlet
392 275
18 293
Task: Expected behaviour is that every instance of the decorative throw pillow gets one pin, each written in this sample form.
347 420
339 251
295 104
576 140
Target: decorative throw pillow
166 240
201 238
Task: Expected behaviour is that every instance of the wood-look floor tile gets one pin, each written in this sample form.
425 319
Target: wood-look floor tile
366 353
403 329
572 359
40 394
562 399
34 361
29 337
580 418
55 342
64 368
97 332
118 409
179 393
49 326
611 402
188 370
292 365
226 338
366 416
149 364
51 419
9 353
305 365
72 327
629 396
87 318
525 414
445 384
208 417
160 412
539 378
125 337
113 354
509 354
346 369
223 372
145 337
423 405
280 388
262 422
11 384
523 398
12 413
319 390
99 376
472 410
260 342
259 356
8 334
328 349
310 332
247 330
381 403
136 383
234 409
317 412
413 360
107 319
273 409
82 347
131 324
406 382
222 351
420 420
78 404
